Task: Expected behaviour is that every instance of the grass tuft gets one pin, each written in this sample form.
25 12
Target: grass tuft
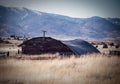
86 69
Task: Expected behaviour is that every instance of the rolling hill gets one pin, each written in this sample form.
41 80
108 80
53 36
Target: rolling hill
23 21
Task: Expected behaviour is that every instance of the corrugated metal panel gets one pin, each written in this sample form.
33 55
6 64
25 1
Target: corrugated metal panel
79 46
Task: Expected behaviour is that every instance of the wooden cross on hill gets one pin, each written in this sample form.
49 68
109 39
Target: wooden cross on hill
44 32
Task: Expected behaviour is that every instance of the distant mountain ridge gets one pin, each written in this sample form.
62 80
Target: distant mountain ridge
30 23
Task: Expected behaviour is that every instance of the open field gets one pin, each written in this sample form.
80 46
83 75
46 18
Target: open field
11 48
107 47
87 69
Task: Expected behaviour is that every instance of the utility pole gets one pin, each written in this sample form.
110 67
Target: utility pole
44 32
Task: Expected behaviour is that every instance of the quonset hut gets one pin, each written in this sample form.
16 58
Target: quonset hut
80 47
44 45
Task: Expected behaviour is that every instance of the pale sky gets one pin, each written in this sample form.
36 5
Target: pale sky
72 8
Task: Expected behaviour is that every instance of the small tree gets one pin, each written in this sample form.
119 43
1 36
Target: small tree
105 45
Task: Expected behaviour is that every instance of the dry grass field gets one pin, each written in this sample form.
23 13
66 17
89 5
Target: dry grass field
87 69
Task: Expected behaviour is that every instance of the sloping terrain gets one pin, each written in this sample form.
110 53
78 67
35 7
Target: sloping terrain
25 22
4 42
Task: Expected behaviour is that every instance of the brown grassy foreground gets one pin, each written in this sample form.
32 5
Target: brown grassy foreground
88 69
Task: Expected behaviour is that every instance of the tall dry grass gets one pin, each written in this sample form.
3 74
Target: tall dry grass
87 69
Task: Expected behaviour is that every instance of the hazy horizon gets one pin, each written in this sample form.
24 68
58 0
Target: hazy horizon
71 8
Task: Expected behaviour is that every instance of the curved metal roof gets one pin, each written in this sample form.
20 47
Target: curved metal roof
79 46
